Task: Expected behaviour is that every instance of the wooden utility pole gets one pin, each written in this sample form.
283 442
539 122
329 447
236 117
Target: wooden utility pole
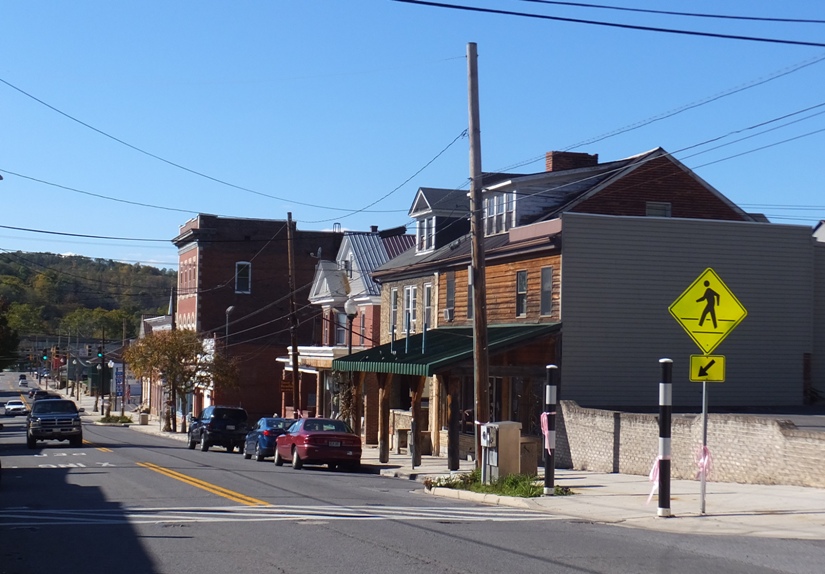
476 273
293 319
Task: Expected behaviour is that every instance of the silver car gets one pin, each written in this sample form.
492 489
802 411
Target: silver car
16 407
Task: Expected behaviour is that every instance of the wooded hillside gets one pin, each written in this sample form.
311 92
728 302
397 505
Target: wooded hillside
49 293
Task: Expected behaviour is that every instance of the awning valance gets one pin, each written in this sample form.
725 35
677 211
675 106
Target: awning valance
425 354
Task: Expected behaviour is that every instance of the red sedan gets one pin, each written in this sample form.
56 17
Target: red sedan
319 441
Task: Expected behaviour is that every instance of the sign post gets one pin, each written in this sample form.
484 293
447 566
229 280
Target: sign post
708 311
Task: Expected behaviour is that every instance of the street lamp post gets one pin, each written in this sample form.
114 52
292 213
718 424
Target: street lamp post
226 335
99 384
351 310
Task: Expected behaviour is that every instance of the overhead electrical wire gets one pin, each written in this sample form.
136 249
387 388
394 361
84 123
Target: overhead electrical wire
674 13
613 24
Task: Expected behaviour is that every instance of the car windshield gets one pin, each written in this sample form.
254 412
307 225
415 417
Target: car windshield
54 407
326 426
230 414
278 423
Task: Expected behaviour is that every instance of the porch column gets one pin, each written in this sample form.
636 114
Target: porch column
436 391
384 386
371 414
358 406
415 431
453 430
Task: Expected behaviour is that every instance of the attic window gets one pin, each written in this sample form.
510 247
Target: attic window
425 234
657 209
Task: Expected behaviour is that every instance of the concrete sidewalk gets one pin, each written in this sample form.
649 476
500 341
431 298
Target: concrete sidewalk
730 509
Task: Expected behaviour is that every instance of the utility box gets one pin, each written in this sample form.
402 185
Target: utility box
529 459
500 443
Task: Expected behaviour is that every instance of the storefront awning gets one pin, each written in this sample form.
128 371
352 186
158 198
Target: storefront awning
427 353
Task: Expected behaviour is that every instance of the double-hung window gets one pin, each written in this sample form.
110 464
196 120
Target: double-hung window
428 306
499 212
340 329
394 312
521 293
410 308
243 277
546 291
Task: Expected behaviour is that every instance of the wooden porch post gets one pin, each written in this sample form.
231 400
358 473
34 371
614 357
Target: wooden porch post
384 386
453 430
415 439
358 407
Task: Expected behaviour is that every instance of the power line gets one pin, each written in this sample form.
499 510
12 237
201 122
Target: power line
614 24
673 13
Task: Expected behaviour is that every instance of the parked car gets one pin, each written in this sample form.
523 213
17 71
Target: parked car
16 407
39 394
319 441
22 381
216 425
54 419
260 441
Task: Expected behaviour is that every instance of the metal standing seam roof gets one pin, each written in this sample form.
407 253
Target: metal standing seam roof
443 347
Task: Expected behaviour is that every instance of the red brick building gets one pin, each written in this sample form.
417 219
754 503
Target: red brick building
233 286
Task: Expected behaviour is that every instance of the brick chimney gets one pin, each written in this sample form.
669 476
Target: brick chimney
561 160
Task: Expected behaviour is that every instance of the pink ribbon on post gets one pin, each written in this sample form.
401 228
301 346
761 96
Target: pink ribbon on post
654 478
703 461
545 430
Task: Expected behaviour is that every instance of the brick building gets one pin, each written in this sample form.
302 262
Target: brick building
233 286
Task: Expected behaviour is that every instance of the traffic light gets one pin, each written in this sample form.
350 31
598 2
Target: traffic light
45 354
100 352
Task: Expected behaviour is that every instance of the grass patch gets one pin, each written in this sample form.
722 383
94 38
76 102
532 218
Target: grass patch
518 485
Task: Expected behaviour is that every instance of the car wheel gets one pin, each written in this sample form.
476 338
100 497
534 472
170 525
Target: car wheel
332 465
259 456
246 454
31 442
192 442
230 447
204 443
76 440
354 466
278 460
297 463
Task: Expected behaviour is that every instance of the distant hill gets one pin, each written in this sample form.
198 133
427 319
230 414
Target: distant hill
48 293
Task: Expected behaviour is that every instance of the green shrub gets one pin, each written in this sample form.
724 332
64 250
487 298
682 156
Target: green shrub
518 485
116 419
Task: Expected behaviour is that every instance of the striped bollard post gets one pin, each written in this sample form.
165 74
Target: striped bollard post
665 413
549 429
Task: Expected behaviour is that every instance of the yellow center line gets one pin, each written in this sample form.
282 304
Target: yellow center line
209 487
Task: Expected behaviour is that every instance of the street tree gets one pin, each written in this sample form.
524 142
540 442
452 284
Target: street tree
182 362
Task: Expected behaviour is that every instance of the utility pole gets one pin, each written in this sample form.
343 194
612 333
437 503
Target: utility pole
293 319
476 273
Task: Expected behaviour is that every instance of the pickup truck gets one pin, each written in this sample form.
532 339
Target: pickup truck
54 419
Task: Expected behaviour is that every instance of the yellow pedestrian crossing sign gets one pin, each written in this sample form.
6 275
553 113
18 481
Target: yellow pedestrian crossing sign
708 311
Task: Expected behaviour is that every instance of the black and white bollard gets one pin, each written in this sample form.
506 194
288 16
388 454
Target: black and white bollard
665 413
549 429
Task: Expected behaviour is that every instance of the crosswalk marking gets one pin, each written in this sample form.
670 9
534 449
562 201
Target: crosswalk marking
22 517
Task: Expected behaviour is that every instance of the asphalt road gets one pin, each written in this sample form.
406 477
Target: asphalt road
129 502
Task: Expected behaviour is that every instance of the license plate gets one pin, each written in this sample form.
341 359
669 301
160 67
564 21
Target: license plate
335 443
230 427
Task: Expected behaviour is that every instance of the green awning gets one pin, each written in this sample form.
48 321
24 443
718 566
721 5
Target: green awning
427 353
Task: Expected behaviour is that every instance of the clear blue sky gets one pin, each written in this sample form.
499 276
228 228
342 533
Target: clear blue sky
323 108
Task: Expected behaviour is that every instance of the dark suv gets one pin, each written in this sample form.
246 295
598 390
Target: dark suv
222 426
54 419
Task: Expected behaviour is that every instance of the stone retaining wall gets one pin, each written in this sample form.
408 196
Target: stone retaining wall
744 448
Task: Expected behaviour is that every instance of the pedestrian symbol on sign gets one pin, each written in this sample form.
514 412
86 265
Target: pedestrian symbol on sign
708 311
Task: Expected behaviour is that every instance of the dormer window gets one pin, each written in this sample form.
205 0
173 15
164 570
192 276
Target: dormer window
425 234
499 212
